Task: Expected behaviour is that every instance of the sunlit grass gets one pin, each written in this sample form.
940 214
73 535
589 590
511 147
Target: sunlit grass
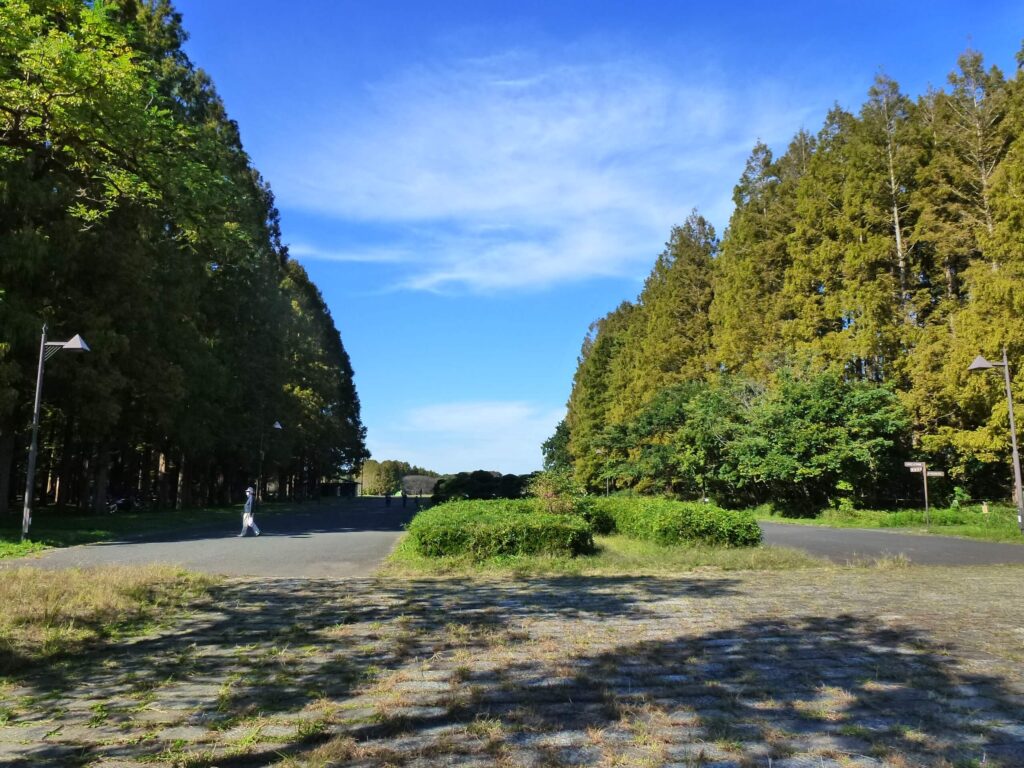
46 614
16 548
616 555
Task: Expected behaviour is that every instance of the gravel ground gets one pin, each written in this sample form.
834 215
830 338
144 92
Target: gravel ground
819 669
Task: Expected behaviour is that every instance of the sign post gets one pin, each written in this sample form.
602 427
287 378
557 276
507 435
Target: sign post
920 466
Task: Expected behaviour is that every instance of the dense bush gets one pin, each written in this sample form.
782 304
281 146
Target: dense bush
483 529
597 516
671 522
557 491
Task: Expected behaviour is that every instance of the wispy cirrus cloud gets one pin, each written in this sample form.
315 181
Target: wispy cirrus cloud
377 255
519 171
455 437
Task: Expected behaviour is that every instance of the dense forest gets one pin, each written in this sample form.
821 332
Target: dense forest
826 337
130 214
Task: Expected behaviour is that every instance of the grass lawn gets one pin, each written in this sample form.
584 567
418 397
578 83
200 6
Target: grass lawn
616 555
1000 524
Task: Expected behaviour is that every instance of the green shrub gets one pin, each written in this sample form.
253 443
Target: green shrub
598 517
485 529
671 522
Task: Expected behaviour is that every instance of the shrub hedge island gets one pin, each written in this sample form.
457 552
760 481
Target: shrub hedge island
484 529
481 529
672 522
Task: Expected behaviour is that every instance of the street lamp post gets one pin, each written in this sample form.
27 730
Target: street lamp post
47 349
981 364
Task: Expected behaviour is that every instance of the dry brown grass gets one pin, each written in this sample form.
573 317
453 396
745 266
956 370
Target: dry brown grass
49 613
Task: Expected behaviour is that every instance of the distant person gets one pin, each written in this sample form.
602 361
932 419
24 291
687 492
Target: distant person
404 497
248 521
387 498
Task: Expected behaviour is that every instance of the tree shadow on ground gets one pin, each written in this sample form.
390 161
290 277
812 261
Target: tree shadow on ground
432 672
818 691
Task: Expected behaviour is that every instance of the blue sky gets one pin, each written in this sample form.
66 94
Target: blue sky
472 183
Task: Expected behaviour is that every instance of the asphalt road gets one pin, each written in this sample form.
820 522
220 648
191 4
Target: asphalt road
352 537
844 545
339 539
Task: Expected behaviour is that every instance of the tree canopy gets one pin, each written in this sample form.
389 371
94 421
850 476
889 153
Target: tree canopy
130 213
827 336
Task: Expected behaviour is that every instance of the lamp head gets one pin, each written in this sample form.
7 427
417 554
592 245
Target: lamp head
75 344
980 364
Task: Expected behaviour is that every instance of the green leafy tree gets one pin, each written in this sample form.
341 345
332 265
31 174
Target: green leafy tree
557 455
810 433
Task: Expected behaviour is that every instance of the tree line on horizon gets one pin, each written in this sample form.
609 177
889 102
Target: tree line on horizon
130 214
380 478
826 337
391 476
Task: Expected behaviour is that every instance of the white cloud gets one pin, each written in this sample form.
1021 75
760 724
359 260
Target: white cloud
459 437
371 255
520 172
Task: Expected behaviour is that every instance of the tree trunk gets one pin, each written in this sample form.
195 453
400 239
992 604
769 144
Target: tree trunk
6 461
85 477
145 475
99 503
184 495
62 495
162 482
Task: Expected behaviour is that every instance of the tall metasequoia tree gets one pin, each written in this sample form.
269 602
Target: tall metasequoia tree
957 222
669 339
887 250
592 395
753 258
131 214
812 310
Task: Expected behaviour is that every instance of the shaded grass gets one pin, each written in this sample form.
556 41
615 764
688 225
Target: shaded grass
51 528
1000 524
615 555
48 614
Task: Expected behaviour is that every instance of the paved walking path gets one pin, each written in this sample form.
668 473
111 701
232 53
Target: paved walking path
846 545
835 668
340 539
352 537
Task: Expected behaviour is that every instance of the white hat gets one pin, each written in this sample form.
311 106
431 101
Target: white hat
249 489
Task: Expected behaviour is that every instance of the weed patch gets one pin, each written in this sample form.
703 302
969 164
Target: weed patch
49 614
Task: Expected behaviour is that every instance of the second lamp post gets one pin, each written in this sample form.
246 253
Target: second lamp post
981 364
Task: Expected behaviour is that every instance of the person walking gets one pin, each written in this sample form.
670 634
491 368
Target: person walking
247 519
